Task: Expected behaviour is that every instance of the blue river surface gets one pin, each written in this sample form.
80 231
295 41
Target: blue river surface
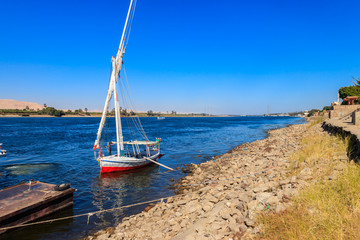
59 150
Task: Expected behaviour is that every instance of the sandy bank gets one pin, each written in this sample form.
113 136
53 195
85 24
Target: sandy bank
18 116
14 104
220 198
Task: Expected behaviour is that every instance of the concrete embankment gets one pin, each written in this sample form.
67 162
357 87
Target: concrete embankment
221 198
345 129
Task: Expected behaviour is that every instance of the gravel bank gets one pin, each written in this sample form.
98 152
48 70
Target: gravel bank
220 198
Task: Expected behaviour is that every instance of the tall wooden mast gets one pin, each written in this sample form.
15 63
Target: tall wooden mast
116 67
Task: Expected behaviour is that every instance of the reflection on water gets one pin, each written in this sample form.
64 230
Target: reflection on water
118 189
26 169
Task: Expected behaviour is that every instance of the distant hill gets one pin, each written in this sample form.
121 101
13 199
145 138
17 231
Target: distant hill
13 104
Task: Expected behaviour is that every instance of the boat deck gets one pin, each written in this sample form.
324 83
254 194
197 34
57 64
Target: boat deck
26 202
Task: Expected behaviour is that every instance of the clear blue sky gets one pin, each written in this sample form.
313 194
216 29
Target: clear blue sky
231 57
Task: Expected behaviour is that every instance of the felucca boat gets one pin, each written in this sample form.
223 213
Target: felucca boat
133 153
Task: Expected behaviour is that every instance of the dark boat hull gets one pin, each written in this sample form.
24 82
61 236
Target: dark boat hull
24 203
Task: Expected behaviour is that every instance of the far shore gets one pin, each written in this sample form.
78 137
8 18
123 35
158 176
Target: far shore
99 115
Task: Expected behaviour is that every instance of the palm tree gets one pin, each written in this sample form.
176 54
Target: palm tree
357 82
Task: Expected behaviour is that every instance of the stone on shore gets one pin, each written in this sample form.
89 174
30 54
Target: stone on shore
220 199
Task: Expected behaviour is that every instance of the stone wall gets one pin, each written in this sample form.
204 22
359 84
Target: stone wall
340 111
346 130
356 118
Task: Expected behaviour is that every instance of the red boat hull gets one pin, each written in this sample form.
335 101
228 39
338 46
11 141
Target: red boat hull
119 169
116 164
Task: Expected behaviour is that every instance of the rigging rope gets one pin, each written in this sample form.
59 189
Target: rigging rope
135 119
125 102
130 24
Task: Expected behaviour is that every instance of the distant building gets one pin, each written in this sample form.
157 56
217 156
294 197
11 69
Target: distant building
337 101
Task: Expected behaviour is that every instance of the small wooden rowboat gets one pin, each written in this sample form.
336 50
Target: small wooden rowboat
27 202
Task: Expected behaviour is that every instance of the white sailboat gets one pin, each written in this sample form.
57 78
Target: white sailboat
137 153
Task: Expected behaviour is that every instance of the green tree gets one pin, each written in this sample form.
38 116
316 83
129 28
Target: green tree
59 113
49 111
150 113
123 112
312 111
86 111
349 91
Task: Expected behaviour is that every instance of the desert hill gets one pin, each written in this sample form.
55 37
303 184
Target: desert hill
14 104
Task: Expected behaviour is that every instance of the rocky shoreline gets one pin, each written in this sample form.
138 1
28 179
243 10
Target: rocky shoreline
220 199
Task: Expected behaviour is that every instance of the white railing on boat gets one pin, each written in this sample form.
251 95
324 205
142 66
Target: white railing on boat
149 143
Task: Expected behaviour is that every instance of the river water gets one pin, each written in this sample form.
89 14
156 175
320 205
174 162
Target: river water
58 150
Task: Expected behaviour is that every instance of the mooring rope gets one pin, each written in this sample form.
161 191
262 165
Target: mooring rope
86 214
89 214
